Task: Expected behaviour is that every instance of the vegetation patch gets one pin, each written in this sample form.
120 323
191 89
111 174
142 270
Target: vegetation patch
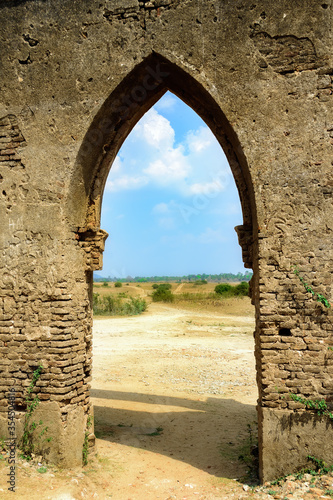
318 468
317 296
30 425
226 290
200 282
319 406
163 293
110 305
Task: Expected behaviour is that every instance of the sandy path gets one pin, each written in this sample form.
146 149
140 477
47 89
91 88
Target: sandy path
174 394
179 287
138 291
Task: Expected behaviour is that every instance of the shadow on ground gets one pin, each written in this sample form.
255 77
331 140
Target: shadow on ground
215 435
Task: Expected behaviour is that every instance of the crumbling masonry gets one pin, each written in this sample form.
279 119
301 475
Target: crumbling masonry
75 77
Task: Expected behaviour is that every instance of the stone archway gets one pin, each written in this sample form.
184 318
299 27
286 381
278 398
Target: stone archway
260 75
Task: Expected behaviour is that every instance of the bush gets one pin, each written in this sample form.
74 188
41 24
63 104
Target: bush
134 306
242 289
155 286
223 288
165 286
118 284
163 295
105 283
226 290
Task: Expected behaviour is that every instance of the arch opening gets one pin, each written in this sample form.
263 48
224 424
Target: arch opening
131 99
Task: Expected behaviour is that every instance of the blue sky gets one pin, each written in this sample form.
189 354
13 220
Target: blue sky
170 203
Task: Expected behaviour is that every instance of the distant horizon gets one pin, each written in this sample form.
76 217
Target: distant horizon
245 272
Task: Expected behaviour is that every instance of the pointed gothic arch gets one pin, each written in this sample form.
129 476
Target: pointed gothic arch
132 98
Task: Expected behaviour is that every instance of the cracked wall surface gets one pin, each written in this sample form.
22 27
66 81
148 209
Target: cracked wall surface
75 77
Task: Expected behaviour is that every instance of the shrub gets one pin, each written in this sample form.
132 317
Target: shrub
163 295
155 286
223 288
227 290
118 284
134 306
165 286
105 283
109 305
242 289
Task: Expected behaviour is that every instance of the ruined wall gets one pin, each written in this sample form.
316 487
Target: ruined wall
260 74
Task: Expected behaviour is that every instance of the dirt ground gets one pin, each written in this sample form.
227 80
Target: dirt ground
174 397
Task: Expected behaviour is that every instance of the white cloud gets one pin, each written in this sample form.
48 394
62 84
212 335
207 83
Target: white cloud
126 182
150 157
155 130
200 139
170 167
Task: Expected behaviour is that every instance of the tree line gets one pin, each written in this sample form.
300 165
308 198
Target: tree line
212 278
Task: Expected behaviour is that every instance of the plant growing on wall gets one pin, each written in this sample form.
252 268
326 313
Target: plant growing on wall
317 296
27 443
319 406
